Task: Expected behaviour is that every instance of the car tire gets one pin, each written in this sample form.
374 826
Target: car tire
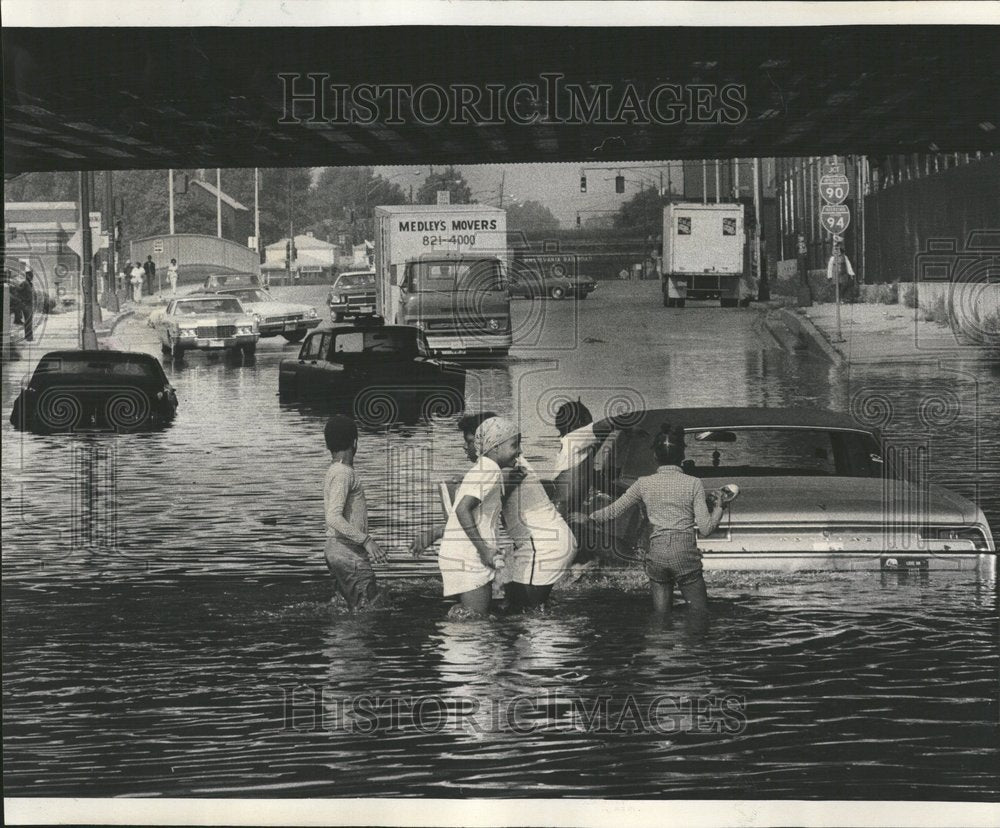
295 336
165 349
338 316
248 350
557 292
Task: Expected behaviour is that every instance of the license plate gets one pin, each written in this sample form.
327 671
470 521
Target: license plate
291 326
216 343
366 309
905 562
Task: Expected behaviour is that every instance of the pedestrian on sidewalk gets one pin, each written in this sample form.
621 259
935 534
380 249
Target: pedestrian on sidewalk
137 275
172 276
24 309
149 268
125 277
839 268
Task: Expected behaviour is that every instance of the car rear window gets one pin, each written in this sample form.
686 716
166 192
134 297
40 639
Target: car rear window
92 367
358 342
761 451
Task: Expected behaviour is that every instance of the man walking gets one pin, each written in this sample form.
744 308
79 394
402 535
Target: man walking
24 310
839 268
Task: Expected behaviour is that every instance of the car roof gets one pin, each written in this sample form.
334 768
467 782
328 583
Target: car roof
94 356
697 419
356 273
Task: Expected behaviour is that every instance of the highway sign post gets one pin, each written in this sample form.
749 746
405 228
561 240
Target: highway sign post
835 217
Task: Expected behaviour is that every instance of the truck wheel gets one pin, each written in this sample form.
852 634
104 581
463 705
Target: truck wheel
557 292
295 336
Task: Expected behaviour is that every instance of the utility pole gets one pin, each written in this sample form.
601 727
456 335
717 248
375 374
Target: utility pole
704 181
763 288
88 334
503 177
291 230
170 198
717 182
109 206
218 201
256 211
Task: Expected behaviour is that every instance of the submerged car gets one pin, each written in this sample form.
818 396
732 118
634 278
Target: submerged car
373 371
528 282
817 491
352 295
206 322
293 321
102 391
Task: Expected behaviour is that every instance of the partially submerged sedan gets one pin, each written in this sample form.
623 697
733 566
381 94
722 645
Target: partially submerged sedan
373 372
95 391
206 322
818 491
293 321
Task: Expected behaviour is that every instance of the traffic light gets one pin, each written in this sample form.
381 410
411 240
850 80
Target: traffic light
583 185
619 183
288 251
119 235
577 219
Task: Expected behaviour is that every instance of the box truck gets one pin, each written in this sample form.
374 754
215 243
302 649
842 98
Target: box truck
442 268
704 254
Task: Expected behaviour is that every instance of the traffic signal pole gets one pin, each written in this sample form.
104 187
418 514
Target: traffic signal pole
88 334
109 205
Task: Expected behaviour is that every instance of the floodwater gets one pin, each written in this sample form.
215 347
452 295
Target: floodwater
167 629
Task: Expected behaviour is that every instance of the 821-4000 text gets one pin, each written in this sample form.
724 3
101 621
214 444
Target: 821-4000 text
433 241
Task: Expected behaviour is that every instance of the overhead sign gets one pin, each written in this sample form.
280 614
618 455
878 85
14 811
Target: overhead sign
834 188
835 218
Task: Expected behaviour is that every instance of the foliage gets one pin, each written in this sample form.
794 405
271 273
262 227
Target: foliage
343 193
643 212
531 217
882 294
910 297
448 179
937 311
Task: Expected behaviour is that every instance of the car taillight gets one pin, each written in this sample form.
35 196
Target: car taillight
969 534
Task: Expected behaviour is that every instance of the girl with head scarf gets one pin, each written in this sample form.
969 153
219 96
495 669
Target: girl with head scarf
468 556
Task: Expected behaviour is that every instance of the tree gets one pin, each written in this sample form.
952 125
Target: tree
345 198
531 217
451 180
642 212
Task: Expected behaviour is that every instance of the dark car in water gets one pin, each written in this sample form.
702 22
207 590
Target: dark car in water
374 372
818 490
99 391
527 282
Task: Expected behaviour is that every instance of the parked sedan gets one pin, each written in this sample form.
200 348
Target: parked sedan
352 295
293 321
373 372
818 491
103 391
206 322
528 282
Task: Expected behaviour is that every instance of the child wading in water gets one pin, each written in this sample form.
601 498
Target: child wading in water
349 548
468 556
675 506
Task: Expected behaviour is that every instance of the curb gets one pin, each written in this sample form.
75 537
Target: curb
807 330
107 330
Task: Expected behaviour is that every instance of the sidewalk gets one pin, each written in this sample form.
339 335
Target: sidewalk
884 333
61 331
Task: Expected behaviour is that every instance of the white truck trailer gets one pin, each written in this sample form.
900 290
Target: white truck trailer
442 268
704 254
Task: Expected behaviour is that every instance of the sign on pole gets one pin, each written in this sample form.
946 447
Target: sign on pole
835 218
444 196
834 188
158 246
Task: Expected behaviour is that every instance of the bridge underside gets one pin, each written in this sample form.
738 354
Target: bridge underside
107 99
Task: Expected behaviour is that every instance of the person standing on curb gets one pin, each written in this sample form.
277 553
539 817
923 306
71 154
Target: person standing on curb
149 269
172 276
137 276
24 310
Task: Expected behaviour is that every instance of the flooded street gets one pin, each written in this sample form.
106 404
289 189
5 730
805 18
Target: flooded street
165 594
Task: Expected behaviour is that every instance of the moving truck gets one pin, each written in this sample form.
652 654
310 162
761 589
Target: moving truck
442 269
704 254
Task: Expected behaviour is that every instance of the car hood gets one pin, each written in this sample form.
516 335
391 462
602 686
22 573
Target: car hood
276 308
836 500
216 319
353 291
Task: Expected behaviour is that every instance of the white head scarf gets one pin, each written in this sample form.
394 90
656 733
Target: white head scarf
492 432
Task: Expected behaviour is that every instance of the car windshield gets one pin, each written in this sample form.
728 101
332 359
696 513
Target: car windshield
250 295
200 307
355 280
92 367
760 451
480 274
232 279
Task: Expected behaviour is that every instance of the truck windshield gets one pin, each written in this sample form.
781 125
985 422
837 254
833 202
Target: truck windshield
479 274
